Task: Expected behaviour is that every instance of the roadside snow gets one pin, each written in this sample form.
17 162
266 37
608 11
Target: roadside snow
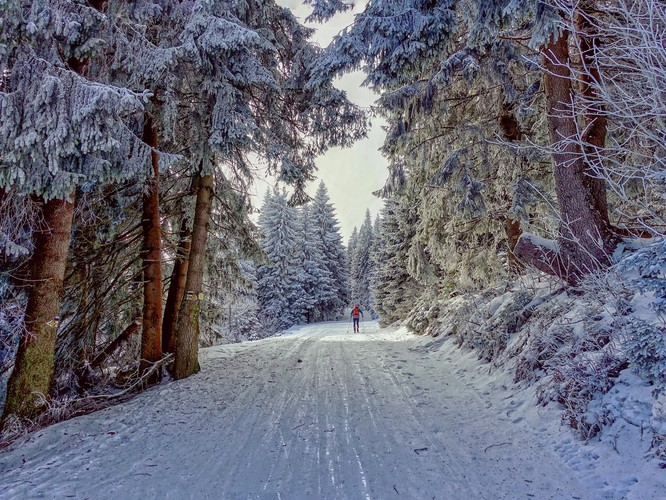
322 413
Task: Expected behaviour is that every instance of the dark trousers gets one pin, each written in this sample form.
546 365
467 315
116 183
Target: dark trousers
355 324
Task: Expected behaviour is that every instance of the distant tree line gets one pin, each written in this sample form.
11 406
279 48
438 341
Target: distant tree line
305 278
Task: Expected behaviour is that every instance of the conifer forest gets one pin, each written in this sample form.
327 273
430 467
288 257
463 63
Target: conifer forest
523 225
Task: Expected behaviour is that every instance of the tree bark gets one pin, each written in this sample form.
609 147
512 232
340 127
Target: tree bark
151 335
34 365
176 288
511 131
596 125
187 342
585 240
513 232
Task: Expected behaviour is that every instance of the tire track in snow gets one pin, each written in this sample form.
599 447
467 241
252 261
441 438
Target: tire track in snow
345 422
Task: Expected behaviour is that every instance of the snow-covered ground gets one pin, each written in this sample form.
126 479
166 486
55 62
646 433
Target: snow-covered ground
323 413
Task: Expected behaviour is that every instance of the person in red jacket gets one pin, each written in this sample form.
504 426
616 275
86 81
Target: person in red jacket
356 316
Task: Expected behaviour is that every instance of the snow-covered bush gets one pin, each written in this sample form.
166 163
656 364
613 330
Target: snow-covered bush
646 350
577 383
12 308
239 320
645 331
565 340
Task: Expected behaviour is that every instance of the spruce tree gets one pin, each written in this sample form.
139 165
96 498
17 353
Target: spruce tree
58 129
395 290
362 266
410 49
315 279
279 284
335 260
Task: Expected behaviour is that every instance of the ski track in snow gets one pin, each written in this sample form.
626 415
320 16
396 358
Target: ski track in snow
376 415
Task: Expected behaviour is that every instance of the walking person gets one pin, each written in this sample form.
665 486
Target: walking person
356 316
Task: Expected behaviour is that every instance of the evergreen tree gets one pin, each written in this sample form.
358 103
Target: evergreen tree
335 260
362 266
411 48
351 246
315 279
58 130
395 290
279 281
232 313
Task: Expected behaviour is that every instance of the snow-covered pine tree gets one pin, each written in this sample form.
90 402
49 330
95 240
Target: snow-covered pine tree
237 310
362 266
279 280
415 45
261 107
315 279
230 312
335 257
58 129
394 289
351 246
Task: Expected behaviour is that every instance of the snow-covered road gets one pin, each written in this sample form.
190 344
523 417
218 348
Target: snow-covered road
319 413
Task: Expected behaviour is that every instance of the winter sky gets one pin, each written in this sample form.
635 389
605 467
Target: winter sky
352 174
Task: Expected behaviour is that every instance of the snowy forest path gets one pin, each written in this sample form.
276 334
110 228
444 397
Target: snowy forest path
316 414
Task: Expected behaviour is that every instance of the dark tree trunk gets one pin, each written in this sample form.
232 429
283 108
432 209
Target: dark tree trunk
33 368
187 341
511 131
151 336
585 241
176 288
513 232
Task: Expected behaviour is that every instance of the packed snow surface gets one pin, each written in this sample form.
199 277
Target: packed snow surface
323 413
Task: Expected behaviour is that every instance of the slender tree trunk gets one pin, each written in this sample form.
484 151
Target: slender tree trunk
151 336
513 231
187 342
34 365
511 131
176 288
585 240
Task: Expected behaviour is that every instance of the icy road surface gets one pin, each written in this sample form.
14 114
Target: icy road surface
317 413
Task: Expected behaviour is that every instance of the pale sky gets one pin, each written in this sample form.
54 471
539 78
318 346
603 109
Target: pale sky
352 174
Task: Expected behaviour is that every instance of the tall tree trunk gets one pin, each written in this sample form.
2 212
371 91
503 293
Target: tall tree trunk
151 336
187 341
176 288
511 131
34 365
585 241
596 125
